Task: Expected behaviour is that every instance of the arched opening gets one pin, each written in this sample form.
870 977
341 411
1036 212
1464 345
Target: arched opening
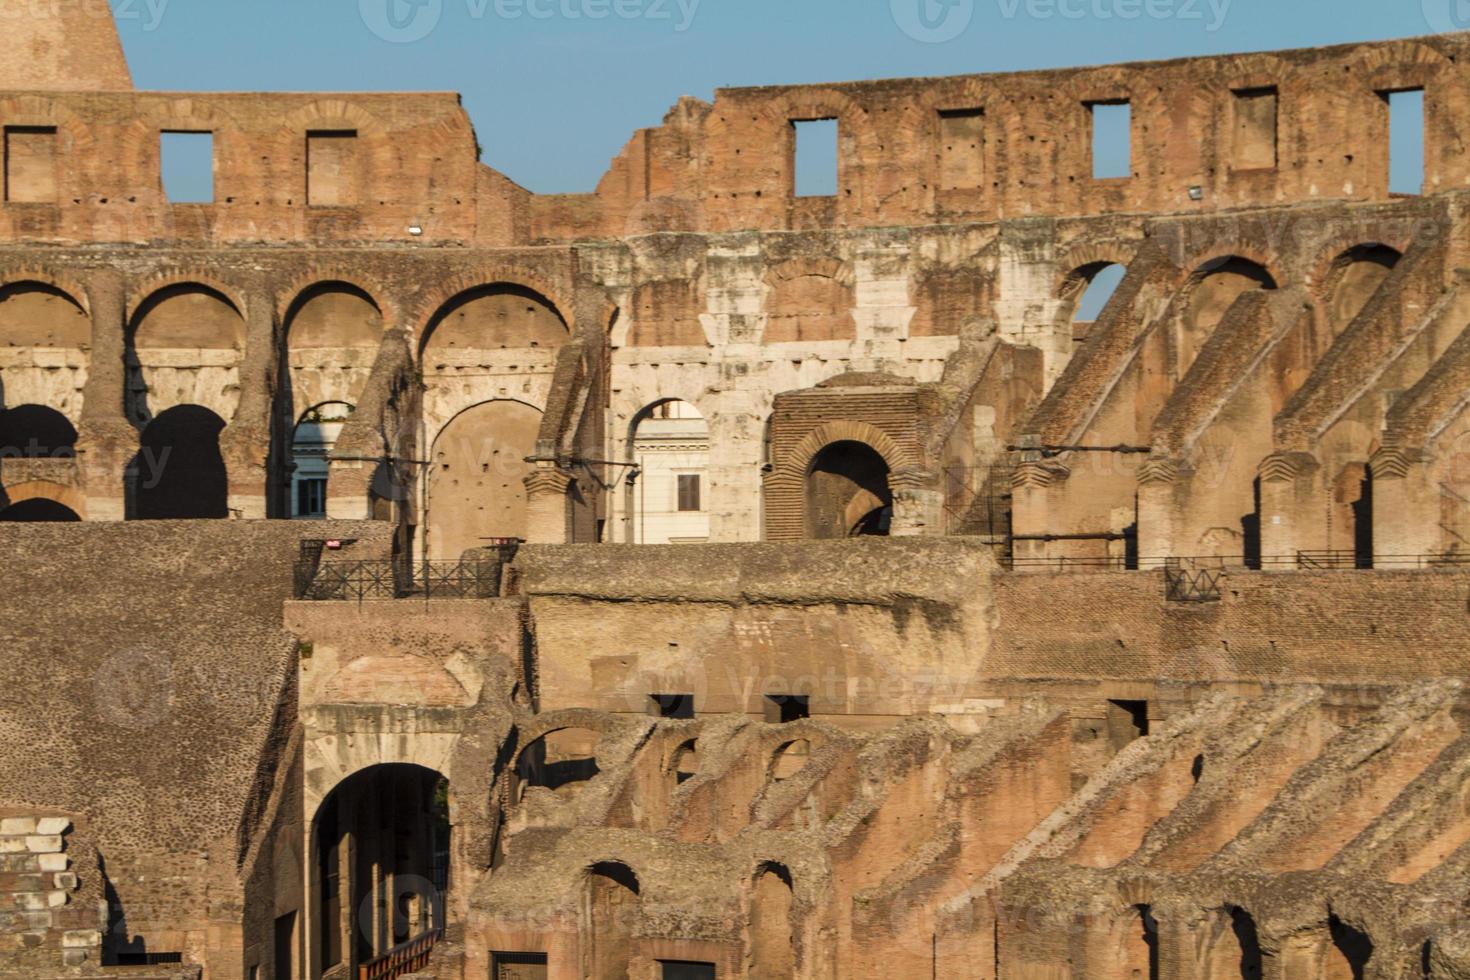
38 510
685 762
1087 292
184 348
609 918
772 954
179 472
36 432
312 439
667 497
1349 952
1352 516
1248 942
1353 279
36 314
333 333
847 493
1213 289
1141 947
790 759
493 317
381 864
477 482
557 759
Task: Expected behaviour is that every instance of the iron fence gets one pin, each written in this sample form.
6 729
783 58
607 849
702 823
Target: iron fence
1302 561
346 581
1190 585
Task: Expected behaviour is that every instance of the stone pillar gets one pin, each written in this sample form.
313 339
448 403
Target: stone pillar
1160 521
1038 489
1405 506
246 441
548 518
1290 516
106 441
918 504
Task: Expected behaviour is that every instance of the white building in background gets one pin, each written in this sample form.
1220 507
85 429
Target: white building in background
311 444
667 496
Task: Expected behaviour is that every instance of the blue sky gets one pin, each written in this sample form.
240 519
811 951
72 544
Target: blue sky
556 87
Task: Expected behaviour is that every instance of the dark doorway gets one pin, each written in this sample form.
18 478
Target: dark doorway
285 947
847 492
38 510
1244 927
179 472
1363 523
1250 529
1352 945
36 432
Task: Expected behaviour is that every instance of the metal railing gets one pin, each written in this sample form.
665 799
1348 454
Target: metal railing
401 959
1189 585
1302 561
347 581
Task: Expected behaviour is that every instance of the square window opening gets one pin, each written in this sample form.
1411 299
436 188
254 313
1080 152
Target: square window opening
30 164
332 175
1254 128
1405 141
186 164
686 970
1127 722
961 149
783 709
689 493
518 966
671 705
816 157
1112 139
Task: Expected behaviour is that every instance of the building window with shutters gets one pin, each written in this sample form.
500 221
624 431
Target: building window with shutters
689 492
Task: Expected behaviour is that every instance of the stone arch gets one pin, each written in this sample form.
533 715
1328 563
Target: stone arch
145 293
476 481
789 758
527 318
38 310
562 756
179 472
68 498
610 913
1346 284
848 492
333 114
184 345
847 431
1207 295
772 950
290 299
434 302
36 432
810 299
683 761
667 501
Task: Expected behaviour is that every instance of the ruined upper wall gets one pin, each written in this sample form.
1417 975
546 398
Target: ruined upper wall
70 45
1207 134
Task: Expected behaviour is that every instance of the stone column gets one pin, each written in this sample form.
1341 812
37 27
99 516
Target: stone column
548 520
106 440
1160 521
918 504
1290 521
1405 506
246 441
1038 489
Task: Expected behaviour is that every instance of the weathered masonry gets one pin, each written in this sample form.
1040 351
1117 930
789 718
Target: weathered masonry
410 575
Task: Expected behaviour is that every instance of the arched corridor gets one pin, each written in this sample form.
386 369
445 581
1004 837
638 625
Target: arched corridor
847 493
380 869
36 432
477 482
179 472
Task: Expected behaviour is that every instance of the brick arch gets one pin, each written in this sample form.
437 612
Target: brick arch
298 287
782 325
826 266
1337 248
431 304
1397 63
845 430
288 142
70 288
1072 261
774 115
142 293
333 759
67 496
1194 267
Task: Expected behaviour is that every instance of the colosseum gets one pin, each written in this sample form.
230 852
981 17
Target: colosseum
411 576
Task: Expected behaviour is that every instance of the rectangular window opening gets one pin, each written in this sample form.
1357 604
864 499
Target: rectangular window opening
1127 721
311 497
671 705
30 164
816 157
519 966
782 709
1254 128
684 970
961 149
332 168
689 487
1405 141
1112 139
186 164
